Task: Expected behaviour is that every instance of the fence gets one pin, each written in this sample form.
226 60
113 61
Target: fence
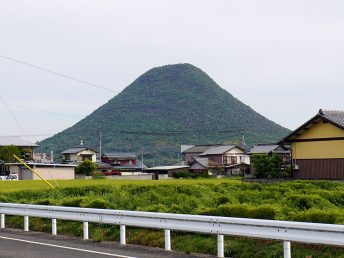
268 229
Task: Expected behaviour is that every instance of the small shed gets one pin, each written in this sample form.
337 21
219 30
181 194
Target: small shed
47 171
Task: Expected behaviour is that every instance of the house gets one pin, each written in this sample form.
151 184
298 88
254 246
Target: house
226 155
19 143
232 158
269 149
194 152
79 154
16 141
123 161
317 147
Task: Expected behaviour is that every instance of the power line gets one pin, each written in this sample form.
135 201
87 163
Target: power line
57 73
40 110
30 135
15 119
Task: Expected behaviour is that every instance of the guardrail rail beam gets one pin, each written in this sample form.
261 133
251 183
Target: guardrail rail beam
284 231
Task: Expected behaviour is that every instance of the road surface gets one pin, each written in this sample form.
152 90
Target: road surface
18 244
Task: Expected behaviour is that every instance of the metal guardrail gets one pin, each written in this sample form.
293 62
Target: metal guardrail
285 231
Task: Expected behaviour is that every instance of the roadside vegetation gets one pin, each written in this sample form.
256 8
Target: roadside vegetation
311 201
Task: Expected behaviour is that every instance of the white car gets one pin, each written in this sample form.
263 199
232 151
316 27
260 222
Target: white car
9 177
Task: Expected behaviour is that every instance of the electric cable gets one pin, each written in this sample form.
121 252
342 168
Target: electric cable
57 73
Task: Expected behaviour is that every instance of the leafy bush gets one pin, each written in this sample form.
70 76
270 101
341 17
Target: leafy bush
268 166
97 203
147 237
190 175
319 216
305 202
244 211
72 202
47 201
98 235
336 198
86 167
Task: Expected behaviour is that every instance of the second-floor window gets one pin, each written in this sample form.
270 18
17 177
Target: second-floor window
231 160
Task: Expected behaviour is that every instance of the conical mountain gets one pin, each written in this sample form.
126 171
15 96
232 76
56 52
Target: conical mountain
164 108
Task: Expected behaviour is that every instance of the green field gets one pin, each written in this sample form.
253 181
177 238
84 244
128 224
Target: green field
312 201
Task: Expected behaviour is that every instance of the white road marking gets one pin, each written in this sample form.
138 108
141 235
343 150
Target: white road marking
66 247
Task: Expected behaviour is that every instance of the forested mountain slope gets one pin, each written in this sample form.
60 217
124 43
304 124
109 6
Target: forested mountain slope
164 108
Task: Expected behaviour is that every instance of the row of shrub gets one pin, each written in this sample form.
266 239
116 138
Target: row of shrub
312 201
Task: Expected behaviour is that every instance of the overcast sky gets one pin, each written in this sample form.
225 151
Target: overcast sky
285 59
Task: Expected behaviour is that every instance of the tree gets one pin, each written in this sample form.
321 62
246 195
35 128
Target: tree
26 153
268 166
6 153
86 167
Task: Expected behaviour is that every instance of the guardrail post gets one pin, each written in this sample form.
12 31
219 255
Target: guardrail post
220 246
85 229
53 227
26 223
2 223
167 240
122 234
286 249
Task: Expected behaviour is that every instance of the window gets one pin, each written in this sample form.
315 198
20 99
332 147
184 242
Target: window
231 160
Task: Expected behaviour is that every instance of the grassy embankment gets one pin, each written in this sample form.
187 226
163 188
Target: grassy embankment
313 201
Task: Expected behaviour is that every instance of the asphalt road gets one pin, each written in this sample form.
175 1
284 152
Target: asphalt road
19 244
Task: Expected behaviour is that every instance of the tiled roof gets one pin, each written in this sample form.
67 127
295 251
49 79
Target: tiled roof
266 148
16 141
198 149
218 150
203 161
263 148
336 117
167 167
76 150
121 155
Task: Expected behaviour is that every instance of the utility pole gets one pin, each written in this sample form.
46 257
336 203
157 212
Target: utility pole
100 144
243 137
142 162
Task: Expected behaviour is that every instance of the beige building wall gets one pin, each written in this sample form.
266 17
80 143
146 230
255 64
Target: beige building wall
78 156
324 149
322 130
55 173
